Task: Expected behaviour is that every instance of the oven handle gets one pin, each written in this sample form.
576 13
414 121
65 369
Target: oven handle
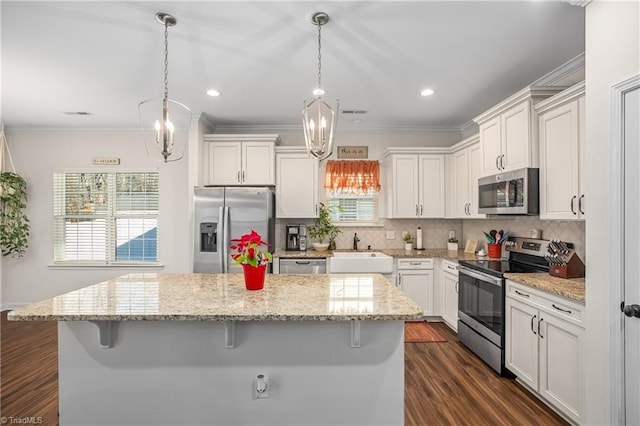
480 276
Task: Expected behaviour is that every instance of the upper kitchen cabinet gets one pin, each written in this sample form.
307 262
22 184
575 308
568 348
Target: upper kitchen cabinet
415 183
466 164
240 159
562 159
296 183
508 132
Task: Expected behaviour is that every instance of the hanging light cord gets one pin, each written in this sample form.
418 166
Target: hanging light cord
166 59
319 56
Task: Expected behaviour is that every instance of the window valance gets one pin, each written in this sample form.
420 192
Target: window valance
352 177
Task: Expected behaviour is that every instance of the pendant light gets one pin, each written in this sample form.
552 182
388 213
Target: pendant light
318 116
165 122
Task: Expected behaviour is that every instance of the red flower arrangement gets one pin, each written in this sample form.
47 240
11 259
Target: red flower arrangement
248 250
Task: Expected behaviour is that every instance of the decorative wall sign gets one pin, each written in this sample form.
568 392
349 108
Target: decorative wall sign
353 152
105 161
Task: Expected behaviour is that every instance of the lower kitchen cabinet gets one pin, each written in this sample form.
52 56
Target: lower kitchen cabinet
450 294
415 279
544 335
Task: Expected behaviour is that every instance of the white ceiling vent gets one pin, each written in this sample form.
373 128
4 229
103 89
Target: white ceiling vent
77 113
354 111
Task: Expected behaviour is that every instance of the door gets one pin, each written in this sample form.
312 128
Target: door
521 341
560 365
450 302
631 275
415 284
515 125
559 162
475 171
297 186
208 255
431 186
258 163
461 183
247 209
491 149
404 196
224 163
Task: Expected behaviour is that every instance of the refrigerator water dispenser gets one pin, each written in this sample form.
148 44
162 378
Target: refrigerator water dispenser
209 237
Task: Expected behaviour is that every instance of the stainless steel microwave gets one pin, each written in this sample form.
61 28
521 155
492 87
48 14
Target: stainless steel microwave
514 192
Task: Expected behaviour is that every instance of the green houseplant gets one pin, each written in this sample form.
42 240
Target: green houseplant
323 228
452 244
408 241
14 225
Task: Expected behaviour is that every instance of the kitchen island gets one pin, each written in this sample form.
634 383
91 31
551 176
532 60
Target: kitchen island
186 349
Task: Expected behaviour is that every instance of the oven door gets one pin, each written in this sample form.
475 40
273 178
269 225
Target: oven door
481 303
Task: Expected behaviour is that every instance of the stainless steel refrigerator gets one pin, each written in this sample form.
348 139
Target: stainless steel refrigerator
224 213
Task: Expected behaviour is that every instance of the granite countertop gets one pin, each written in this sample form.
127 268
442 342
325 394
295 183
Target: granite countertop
427 253
572 288
223 297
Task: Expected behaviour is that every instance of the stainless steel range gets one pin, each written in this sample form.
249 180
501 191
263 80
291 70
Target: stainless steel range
481 297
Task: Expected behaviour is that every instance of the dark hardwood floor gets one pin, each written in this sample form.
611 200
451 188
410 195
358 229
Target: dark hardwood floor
29 371
444 383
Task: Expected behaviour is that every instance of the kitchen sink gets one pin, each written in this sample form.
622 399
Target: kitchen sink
360 262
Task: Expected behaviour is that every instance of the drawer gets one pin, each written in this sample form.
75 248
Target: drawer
450 267
558 306
415 263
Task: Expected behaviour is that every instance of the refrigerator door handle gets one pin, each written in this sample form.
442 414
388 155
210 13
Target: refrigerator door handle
226 231
222 250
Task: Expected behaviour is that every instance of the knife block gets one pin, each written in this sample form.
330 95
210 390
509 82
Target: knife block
572 268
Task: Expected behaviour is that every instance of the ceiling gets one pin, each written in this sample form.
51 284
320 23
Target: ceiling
105 57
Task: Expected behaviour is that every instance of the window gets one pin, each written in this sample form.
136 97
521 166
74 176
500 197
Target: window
105 218
352 189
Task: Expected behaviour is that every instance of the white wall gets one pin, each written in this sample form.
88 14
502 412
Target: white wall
37 155
612 55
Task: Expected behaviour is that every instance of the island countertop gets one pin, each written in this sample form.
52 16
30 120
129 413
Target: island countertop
223 297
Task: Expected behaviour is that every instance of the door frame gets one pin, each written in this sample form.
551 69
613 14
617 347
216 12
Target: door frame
616 253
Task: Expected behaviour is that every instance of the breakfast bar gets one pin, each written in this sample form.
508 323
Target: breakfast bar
183 349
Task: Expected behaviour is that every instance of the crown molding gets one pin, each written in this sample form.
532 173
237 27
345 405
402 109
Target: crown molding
565 70
561 98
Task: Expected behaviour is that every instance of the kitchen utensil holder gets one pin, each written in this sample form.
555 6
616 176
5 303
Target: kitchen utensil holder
494 250
572 268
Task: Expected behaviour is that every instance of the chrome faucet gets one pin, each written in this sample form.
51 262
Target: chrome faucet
355 241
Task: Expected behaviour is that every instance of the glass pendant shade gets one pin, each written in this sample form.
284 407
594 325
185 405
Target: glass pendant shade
165 122
319 122
165 125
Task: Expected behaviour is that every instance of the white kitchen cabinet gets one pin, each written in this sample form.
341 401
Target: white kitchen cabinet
296 184
508 132
415 279
416 184
450 294
544 338
239 159
562 147
467 165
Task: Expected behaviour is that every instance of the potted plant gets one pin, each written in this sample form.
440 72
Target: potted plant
254 261
408 241
14 225
323 228
452 244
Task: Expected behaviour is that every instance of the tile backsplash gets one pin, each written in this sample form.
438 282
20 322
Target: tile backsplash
435 232
521 226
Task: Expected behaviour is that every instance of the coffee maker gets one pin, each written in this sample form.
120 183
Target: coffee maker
296 238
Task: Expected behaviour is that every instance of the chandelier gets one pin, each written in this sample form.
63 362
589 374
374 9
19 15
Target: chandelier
318 116
165 122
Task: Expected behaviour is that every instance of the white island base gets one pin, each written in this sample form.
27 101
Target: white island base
181 373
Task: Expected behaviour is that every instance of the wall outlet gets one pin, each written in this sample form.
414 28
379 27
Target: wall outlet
261 387
391 235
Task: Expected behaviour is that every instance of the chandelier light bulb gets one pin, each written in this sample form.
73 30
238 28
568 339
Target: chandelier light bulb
318 91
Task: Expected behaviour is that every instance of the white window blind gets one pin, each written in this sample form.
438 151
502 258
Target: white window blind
353 207
105 218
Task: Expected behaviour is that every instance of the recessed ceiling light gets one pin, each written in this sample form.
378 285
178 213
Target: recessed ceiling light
426 92
213 92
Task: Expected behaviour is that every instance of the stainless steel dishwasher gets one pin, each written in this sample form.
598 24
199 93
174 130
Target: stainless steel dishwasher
303 266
